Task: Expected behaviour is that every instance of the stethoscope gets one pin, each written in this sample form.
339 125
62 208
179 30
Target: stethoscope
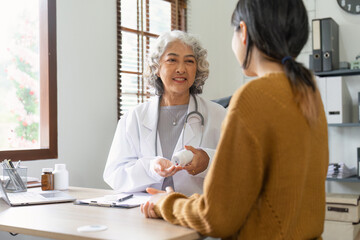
196 112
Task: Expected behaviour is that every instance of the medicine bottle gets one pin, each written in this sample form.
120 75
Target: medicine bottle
182 157
47 179
61 177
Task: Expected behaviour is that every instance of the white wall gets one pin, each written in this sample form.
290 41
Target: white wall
86 65
210 20
86 87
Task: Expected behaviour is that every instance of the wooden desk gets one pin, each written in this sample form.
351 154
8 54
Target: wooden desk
60 221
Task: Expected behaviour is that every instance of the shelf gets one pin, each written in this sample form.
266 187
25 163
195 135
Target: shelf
350 179
341 72
344 124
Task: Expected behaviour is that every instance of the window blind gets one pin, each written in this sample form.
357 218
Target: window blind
139 23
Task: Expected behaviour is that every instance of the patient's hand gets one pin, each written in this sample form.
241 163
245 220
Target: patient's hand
165 168
148 208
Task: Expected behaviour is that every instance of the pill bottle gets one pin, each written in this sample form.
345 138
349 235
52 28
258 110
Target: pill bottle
182 157
47 179
61 177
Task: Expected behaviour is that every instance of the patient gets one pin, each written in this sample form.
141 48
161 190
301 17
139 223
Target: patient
148 135
267 179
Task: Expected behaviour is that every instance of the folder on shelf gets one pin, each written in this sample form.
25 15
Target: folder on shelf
338 101
329 44
321 82
316 45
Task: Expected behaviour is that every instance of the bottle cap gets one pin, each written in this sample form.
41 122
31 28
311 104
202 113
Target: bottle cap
60 166
47 170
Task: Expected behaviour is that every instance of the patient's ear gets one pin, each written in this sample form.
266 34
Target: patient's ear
243 30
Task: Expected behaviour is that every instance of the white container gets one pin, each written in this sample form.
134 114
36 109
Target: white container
182 157
342 207
335 230
61 177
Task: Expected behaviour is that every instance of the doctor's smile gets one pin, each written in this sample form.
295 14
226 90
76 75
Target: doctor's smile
179 79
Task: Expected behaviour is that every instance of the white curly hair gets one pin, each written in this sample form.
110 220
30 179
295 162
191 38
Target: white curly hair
160 46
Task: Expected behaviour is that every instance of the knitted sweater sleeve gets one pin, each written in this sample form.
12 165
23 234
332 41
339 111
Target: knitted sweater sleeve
231 188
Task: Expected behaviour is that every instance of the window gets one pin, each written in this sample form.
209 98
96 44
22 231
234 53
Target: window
139 23
28 103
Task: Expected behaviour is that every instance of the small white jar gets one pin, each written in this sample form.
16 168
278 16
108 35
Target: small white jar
61 177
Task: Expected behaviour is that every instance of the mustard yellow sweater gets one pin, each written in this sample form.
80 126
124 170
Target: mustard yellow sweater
267 180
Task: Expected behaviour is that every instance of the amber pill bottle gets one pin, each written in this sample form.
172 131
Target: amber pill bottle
47 179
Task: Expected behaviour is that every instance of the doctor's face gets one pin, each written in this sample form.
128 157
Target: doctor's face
177 69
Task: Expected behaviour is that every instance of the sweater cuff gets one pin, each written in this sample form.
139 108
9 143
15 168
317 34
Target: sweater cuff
164 207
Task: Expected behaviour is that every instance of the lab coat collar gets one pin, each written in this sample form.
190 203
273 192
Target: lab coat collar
152 114
150 123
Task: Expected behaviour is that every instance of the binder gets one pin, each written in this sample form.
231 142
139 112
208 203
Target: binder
311 62
321 82
338 100
329 44
316 45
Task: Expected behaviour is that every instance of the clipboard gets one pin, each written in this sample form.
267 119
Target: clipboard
122 200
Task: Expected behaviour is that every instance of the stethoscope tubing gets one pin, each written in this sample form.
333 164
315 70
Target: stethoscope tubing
196 112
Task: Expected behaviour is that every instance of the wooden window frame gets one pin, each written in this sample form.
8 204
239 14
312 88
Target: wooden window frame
177 22
48 90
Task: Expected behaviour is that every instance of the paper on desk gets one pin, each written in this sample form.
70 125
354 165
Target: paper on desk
106 201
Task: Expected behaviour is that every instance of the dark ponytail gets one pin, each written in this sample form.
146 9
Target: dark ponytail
304 88
280 29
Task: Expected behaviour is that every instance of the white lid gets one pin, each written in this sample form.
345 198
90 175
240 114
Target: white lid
340 198
60 166
47 170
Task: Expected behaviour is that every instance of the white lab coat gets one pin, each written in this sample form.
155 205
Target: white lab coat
130 164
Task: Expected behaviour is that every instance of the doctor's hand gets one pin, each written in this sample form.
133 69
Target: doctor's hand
199 162
165 168
148 208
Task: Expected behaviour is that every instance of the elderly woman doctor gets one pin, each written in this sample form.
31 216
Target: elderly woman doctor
148 135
